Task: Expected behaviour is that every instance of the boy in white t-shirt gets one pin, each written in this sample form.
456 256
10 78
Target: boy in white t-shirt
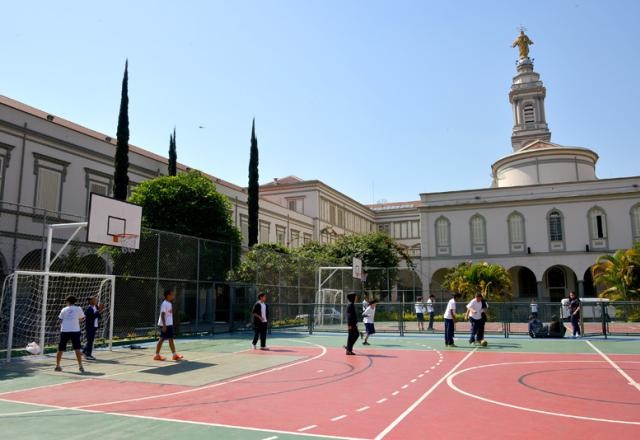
450 321
165 322
476 313
70 318
420 309
369 316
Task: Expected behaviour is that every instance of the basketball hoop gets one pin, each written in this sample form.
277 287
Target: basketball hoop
127 242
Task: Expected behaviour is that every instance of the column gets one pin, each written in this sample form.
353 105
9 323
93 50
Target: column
580 289
540 287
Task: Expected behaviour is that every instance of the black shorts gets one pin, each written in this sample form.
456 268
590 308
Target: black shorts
166 334
370 328
65 337
420 317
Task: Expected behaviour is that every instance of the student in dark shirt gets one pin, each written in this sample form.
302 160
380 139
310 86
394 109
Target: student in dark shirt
574 305
537 328
352 324
556 328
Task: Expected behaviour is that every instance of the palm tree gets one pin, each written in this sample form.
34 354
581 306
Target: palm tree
617 273
492 280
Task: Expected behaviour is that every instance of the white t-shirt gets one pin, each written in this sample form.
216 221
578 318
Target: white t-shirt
450 310
419 307
365 304
369 315
430 305
167 308
263 311
534 308
475 308
71 316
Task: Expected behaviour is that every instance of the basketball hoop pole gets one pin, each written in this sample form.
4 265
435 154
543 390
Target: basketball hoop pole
47 266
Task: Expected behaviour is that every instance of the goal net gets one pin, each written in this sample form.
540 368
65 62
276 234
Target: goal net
31 303
329 306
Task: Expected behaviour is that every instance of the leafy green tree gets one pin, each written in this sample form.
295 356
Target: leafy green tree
121 177
186 204
254 188
277 270
173 156
492 280
617 274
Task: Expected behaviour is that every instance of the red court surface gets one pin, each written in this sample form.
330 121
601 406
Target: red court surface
392 394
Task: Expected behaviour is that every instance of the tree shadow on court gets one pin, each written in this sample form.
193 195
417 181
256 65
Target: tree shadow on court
500 346
377 355
179 367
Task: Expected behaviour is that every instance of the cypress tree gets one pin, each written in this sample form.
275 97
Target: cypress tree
120 176
173 157
254 188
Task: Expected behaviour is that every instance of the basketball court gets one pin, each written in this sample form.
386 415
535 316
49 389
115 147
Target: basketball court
399 388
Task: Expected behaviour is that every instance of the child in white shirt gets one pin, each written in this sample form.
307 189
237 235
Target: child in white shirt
70 318
369 315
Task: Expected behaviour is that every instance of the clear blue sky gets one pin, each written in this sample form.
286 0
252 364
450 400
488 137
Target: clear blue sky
401 97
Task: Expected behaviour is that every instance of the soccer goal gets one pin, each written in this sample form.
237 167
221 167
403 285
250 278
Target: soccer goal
31 302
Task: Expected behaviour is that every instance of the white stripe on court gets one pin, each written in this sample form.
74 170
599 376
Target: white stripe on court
623 373
306 428
421 399
335 419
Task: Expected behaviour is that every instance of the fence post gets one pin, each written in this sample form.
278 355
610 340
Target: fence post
198 286
401 317
603 314
155 312
310 317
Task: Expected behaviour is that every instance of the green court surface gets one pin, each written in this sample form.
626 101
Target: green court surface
35 402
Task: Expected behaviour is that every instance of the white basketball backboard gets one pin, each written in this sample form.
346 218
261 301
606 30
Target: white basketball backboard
109 218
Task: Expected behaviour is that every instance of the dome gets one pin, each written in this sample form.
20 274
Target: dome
542 162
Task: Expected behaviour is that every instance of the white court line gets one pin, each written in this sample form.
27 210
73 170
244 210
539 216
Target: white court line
382 400
307 428
623 373
364 408
421 399
395 393
335 419
421 375
271 438
413 380
404 387
522 408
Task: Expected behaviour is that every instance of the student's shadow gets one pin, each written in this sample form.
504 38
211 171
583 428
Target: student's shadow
87 373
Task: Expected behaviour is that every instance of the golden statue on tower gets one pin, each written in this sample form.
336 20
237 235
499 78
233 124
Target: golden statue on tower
523 42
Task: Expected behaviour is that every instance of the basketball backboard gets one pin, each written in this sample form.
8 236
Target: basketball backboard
110 218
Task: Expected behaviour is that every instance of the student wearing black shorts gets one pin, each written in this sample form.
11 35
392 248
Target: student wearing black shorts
70 318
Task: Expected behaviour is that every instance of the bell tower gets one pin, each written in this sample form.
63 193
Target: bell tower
527 99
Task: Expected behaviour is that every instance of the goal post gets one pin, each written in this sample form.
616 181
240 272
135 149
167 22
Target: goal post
34 300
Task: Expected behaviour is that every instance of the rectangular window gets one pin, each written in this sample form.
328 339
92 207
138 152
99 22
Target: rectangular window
599 227
264 232
517 234
415 229
383 227
280 235
332 214
340 217
48 189
244 230
295 238
397 230
292 205
306 238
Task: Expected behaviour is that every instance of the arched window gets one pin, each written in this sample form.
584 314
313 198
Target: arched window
597 223
478 229
555 226
443 236
529 113
515 222
478 233
555 222
635 222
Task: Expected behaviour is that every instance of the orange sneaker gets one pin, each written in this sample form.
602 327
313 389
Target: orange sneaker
178 357
159 358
